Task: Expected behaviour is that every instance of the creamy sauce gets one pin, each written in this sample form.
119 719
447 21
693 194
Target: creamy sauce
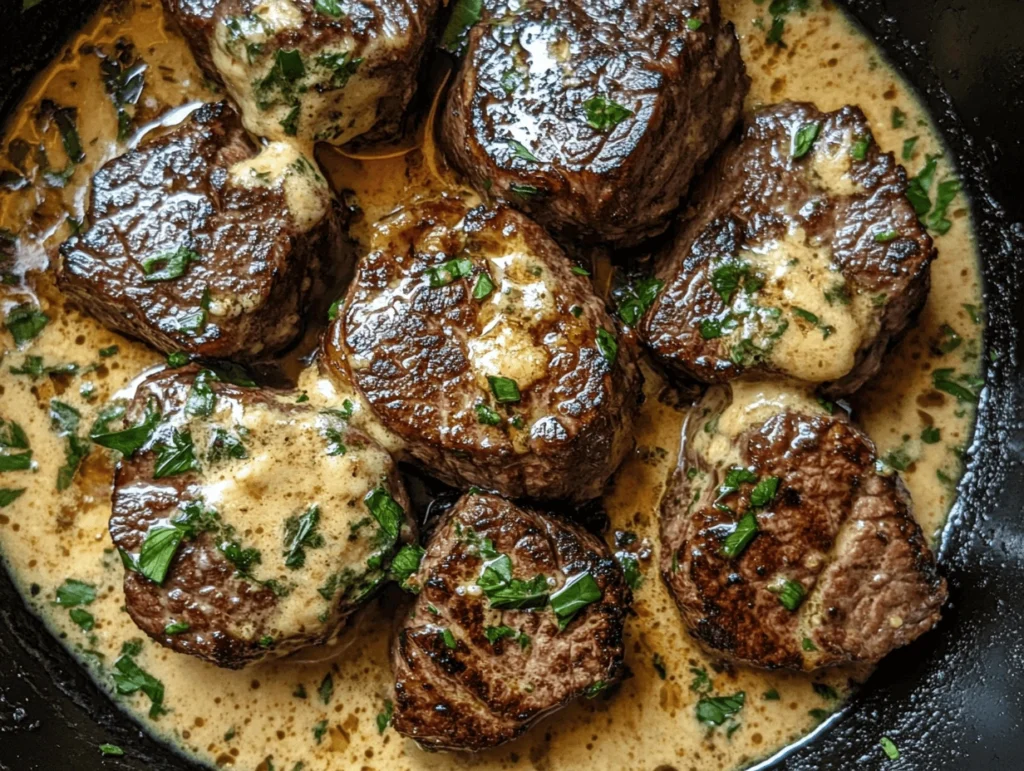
242 719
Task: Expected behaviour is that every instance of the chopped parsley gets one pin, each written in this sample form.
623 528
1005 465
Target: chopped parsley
25 322
448 638
201 399
300 533
65 419
889 748
487 415
465 13
701 682
931 435
9 495
326 689
483 286
175 458
405 565
177 627
603 114
129 678
519 150
384 717
713 710
607 344
111 749
825 691
447 272
169 265
859 148
83 618
386 511
936 219
943 380
579 591
740 537
764 492
899 118
329 7
524 191
504 591
73 593
804 139
634 300
630 569
791 594
505 389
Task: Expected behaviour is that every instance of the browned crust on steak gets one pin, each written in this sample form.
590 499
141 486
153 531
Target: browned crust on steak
479 694
412 341
363 20
753 193
175 192
842 530
202 587
684 87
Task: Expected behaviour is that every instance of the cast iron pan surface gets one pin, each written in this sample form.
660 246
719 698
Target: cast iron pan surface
955 698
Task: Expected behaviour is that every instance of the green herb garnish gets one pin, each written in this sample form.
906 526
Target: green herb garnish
603 114
578 592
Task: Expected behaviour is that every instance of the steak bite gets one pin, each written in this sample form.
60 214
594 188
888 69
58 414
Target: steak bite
785 542
593 117
471 337
329 71
199 241
250 525
518 614
802 256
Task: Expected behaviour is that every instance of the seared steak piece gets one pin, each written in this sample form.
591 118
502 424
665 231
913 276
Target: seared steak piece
200 242
518 614
471 337
784 543
329 71
250 525
802 257
593 117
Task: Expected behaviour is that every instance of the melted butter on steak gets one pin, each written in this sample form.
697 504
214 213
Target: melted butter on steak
314 71
282 164
283 556
472 338
799 275
801 256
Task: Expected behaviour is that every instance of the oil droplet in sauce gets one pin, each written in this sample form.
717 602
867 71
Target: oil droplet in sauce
273 713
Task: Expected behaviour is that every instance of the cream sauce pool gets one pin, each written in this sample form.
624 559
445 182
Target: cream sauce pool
276 715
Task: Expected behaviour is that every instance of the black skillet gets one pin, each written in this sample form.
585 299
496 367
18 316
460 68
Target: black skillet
954 699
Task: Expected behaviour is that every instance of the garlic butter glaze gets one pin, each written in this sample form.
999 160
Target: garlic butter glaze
276 711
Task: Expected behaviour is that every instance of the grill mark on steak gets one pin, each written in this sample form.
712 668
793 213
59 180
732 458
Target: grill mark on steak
480 694
528 76
244 295
757 195
840 528
420 355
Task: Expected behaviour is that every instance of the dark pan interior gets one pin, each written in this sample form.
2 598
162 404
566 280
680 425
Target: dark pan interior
955 699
